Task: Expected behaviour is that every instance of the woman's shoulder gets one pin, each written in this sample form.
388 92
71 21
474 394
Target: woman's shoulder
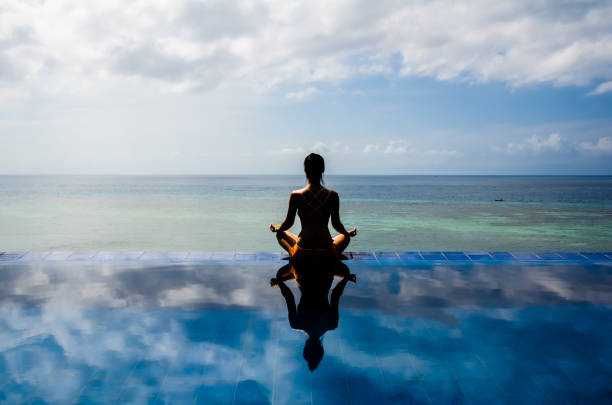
332 193
298 192
303 191
296 195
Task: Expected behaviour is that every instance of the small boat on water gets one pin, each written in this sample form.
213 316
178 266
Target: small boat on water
498 200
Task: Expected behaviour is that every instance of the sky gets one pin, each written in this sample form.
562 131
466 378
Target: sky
251 87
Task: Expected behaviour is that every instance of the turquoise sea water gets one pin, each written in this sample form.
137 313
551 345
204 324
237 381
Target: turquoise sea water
232 213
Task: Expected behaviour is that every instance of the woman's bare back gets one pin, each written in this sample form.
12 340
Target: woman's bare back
315 206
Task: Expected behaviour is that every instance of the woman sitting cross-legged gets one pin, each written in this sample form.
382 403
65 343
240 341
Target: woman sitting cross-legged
315 205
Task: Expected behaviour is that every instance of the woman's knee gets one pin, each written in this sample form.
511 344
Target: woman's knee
341 242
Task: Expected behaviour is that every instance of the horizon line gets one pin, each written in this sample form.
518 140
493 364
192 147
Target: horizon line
302 174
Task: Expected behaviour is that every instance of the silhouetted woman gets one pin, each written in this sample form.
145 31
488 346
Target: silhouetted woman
316 313
315 205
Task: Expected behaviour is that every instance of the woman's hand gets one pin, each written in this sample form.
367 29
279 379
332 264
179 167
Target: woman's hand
274 228
352 232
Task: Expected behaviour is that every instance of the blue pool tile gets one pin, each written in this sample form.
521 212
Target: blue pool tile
433 256
6 256
479 256
129 256
364 389
433 370
594 256
363 256
199 256
522 390
136 393
82 255
331 389
154 256
387 257
268 256
245 256
174 397
502 256
408 257
106 385
220 393
223 256
58 256
444 392
111 256
404 392
106 256
471 368
572 256
252 392
456 256
484 392
548 256
300 381
98 398
556 385
524 255
178 256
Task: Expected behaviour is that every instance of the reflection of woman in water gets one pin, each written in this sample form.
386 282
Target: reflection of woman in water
315 205
315 314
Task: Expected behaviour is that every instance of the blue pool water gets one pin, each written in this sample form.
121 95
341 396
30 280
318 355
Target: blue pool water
425 328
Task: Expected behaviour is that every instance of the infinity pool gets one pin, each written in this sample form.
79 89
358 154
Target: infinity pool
262 331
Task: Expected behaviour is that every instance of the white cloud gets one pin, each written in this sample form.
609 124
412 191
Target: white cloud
403 147
603 144
397 148
66 46
371 148
334 147
601 89
319 147
391 147
442 152
534 144
302 95
289 151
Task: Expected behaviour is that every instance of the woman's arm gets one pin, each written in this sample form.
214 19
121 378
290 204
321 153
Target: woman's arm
290 301
290 218
335 216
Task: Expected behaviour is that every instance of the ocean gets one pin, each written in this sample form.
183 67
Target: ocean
232 213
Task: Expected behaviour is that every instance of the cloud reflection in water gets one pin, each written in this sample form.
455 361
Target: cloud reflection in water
216 332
